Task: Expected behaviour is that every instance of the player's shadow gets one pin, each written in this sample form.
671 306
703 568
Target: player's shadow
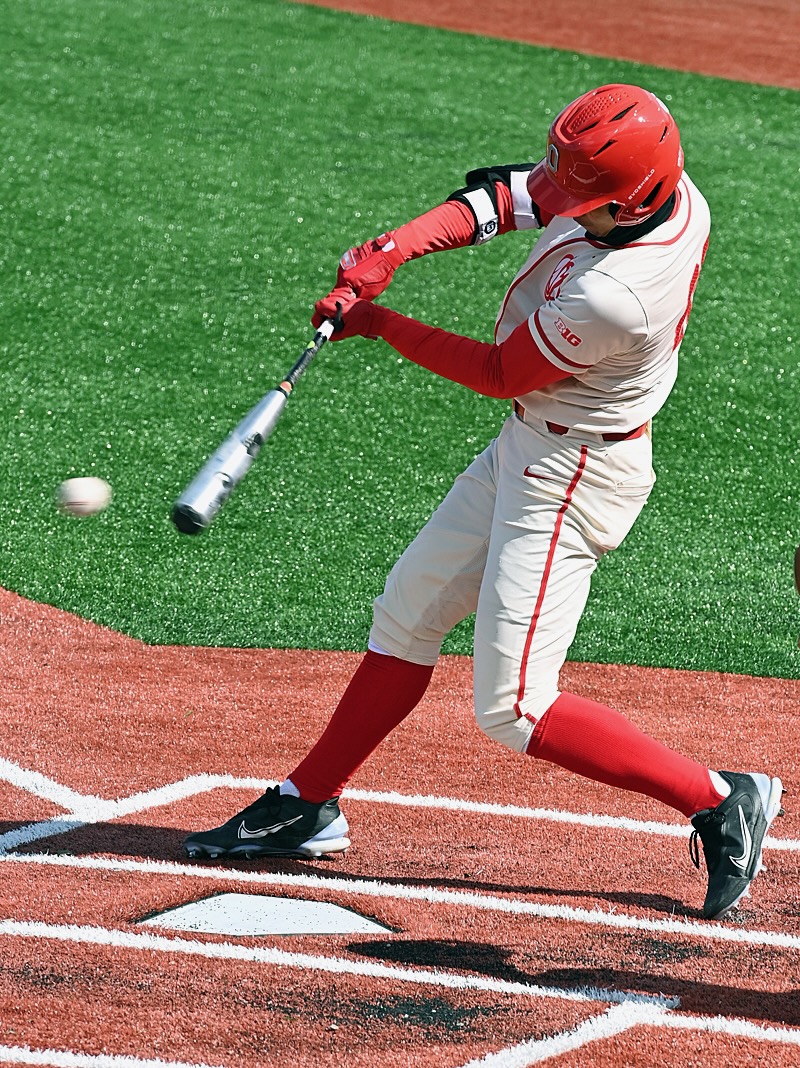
165 843
696 996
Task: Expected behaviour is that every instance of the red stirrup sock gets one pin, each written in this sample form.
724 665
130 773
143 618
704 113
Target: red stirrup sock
595 741
381 694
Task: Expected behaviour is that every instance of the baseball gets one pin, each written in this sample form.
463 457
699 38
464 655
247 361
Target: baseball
83 496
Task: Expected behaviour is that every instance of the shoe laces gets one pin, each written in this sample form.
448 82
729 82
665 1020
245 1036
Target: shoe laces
269 800
714 817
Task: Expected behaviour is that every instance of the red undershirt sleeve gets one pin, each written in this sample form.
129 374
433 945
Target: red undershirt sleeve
510 369
449 225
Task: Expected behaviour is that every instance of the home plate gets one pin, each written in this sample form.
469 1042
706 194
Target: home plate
257 914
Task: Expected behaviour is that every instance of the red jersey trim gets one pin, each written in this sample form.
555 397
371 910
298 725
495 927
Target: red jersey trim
551 346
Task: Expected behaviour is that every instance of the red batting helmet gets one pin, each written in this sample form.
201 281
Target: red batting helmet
616 144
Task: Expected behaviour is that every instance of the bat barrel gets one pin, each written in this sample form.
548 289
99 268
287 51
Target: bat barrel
199 503
196 507
219 476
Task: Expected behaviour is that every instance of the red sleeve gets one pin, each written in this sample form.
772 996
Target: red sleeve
511 369
449 225
505 208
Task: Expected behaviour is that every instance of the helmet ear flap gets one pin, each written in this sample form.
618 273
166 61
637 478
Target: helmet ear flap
639 212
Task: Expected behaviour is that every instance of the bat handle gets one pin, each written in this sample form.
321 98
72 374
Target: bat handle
307 355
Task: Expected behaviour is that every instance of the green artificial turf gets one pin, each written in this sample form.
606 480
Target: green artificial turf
178 182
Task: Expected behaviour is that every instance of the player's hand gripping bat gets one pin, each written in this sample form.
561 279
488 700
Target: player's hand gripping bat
219 476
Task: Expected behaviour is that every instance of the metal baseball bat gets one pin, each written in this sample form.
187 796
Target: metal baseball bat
219 476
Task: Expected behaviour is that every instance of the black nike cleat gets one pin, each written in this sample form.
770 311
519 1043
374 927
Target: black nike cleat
276 825
732 835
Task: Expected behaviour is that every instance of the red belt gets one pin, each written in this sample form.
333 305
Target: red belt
557 428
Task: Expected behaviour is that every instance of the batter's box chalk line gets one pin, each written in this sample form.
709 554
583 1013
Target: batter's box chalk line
84 809
58 1058
87 809
267 955
621 1018
615 1020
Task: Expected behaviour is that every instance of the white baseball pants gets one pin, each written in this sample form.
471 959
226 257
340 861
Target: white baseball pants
516 540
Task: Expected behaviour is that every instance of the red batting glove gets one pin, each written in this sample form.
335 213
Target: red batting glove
363 272
368 269
342 296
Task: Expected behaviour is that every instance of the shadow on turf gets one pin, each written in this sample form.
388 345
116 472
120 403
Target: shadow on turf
164 843
778 1007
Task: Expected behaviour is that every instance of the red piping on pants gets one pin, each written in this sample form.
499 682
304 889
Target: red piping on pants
545 576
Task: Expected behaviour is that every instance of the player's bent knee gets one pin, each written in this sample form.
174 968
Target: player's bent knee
391 637
507 720
506 727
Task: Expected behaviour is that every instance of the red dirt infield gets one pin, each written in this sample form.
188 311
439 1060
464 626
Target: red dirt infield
518 931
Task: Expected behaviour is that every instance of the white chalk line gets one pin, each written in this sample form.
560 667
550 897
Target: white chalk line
726 1025
33 782
614 1021
104 936
715 932
59 1058
621 1018
84 810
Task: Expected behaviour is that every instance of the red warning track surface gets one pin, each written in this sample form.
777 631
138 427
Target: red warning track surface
539 933
739 39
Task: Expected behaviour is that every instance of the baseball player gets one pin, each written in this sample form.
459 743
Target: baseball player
586 351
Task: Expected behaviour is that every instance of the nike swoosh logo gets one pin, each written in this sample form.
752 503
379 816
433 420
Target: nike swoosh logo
531 473
262 832
743 861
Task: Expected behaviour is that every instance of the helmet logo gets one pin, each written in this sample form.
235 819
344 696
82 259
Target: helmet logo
559 276
552 158
641 185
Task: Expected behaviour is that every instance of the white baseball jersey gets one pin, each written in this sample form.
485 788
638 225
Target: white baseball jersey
613 316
